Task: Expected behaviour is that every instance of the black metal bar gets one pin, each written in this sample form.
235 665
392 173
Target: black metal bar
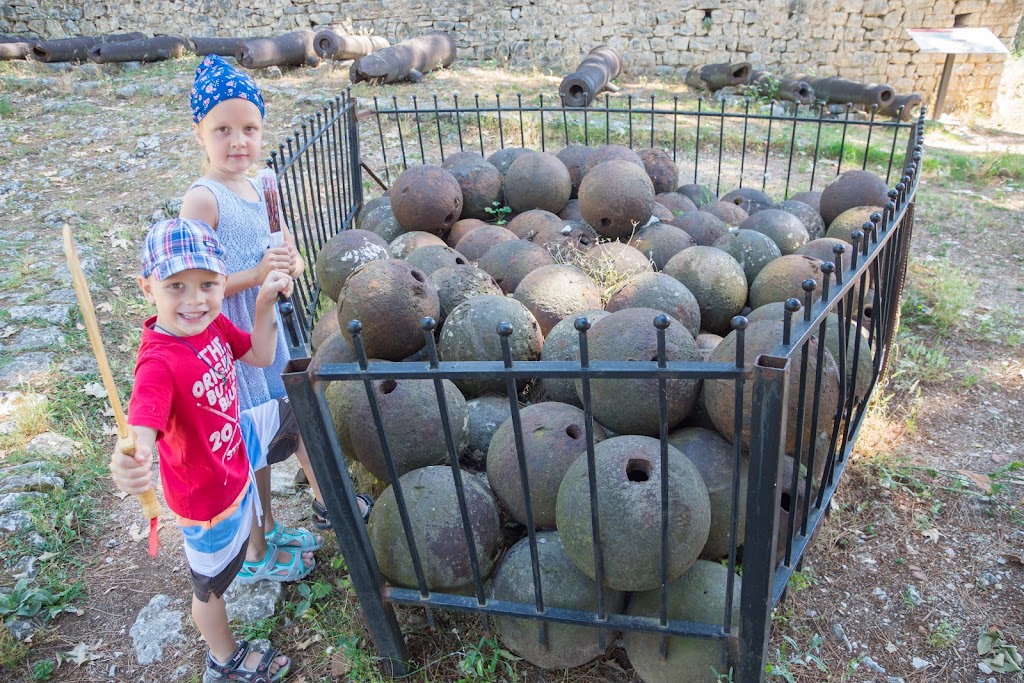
501 128
739 324
767 441
743 150
401 138
696 146
842 141
314 417
817 145
721 146
541 110
419 128
768 145
792 148
661 323
867 144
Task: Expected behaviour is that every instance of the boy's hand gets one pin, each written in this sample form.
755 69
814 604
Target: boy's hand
277 281
131 472
274 258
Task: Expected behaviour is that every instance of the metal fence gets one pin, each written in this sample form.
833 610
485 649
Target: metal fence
721 145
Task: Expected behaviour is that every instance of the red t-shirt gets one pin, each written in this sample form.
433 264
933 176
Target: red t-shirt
193 406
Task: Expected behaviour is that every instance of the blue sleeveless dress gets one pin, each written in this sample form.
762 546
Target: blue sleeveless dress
244 232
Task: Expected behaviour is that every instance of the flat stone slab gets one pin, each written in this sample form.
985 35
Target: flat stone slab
9 502
252 602
15 522
80 366
25 369
35 338
52 444
57 314
157 626
36 481
23 468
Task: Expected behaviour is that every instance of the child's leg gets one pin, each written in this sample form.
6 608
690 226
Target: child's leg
211 618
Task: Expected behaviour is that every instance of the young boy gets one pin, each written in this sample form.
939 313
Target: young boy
185 401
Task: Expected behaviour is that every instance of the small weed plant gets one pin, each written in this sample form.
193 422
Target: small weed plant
28 601
943 635
790 660
487 662
499 211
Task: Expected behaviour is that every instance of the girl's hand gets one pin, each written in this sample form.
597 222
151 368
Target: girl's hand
293 260
275 258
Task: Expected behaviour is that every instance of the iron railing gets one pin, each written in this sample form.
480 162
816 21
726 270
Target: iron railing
324 166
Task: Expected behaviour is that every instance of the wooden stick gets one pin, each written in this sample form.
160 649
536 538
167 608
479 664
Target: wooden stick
150 505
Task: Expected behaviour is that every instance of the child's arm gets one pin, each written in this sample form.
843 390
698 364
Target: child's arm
200 204
297 264
264 329
132 473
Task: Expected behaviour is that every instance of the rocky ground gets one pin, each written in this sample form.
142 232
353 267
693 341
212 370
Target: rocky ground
920 559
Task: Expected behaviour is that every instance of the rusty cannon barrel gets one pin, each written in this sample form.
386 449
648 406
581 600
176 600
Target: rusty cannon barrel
155 49
780 88
76 49
910 103
717 76
330 44
204 45
15 47
408 60
290 49
595 73
841 91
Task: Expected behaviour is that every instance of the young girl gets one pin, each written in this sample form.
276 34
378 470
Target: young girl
227 115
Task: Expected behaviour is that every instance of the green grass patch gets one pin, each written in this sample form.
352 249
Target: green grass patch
937 297
979 168
6 108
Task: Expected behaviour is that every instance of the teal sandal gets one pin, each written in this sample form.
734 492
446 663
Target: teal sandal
234 669
286 537
270 569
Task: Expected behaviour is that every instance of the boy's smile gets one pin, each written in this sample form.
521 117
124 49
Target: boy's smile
187 302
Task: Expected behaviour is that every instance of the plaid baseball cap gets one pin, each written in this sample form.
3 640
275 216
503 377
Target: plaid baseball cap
181 244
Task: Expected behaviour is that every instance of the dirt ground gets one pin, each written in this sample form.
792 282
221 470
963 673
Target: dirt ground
922 554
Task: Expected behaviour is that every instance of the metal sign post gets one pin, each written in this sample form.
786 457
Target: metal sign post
953 42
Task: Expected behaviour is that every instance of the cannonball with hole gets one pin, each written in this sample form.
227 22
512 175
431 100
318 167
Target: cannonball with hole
811 199
630 335
461 229
554 292
762 337
612 153
704 228
752 250
663 172
698 595
659 242
426 197
562 585
341 396
537 181
477 243
456 284
850 221
616 198
782 227
430 257
807 214
660 292
783 279
387 228
566 240
562 343
326 325
503 158
486 414
852 189
554 435
615 261
389 298
698 194
715 458
529 223
470 333
432 502
727 212
411 420
716 279
509 262
629 484
408 242
342 254
571 212
749 199
575 158
707 342
675 202
459 157
481 186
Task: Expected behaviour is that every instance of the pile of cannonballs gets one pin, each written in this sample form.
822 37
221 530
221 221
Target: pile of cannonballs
432 248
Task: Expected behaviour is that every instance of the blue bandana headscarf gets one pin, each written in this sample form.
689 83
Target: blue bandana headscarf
216 81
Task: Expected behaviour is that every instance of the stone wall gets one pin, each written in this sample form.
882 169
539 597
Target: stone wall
857 39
